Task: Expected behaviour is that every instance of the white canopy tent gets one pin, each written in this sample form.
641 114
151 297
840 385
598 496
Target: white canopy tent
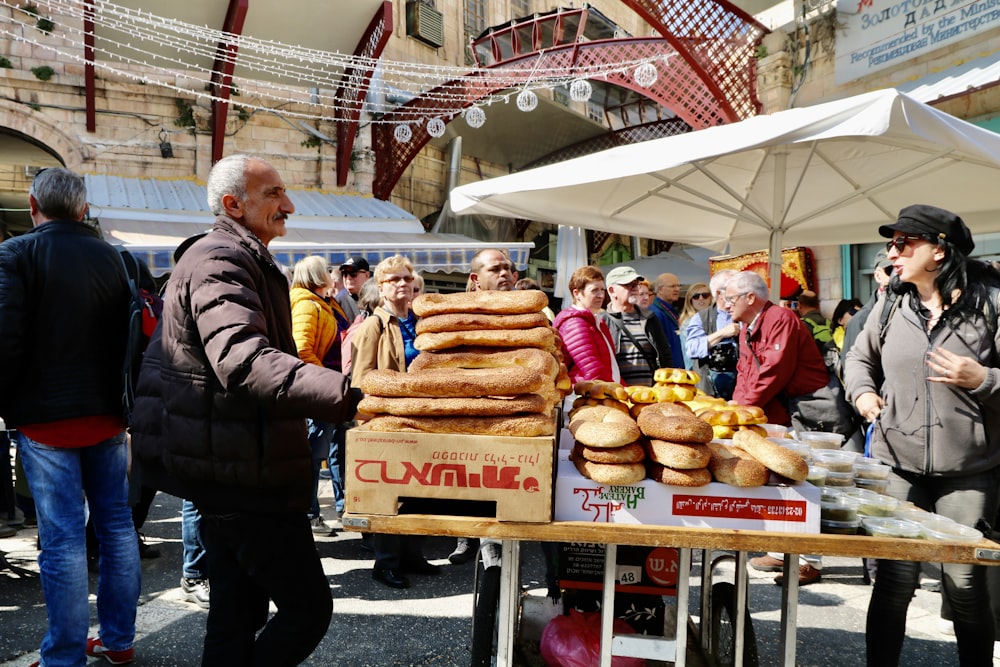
820 175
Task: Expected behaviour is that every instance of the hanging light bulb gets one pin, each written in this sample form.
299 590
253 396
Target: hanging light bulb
527 100
435 127
402 133
645 75
475 117
580 90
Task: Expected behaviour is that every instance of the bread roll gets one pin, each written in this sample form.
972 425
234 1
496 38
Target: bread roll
496 302
520 426
654 424
615 430
475 321
612 474
778 459
676 376
734 466
674 477
633 453
683 456
454 382
600 389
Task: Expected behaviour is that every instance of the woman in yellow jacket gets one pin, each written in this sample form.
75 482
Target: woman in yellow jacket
317 338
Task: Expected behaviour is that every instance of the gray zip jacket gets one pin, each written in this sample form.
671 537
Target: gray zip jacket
928 427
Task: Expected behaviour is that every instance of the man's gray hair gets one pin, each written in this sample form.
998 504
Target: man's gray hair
718 282
60 194
749 281
228 177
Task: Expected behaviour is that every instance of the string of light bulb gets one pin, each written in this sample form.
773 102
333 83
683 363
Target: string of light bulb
314 72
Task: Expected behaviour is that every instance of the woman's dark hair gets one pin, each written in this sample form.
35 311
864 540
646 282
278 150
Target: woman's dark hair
843 307
971 277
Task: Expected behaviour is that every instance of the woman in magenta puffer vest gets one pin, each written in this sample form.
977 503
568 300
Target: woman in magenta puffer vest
587 346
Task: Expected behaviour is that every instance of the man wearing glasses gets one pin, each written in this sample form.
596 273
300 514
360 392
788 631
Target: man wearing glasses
641 344
354 272
778 357
711 341
668 292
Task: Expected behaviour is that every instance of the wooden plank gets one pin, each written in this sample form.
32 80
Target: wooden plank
695 538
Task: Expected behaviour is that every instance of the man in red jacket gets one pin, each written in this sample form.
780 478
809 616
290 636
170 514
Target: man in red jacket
778 357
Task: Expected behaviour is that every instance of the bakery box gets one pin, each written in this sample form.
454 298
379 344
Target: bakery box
514 473
789 509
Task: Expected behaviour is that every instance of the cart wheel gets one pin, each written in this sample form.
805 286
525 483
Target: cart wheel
484 621
724 629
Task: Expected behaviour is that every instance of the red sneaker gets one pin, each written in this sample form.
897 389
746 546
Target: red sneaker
96 649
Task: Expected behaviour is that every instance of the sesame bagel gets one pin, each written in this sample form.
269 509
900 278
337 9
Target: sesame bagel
655 424
674 477
632 453
684 456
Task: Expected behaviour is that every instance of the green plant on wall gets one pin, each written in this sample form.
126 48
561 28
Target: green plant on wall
43 72
312 142
45 24
30 9
185 114
241 112
5 62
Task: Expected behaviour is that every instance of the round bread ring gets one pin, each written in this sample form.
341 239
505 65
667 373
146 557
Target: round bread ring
540 337
616 430
684 456
612 474
667 408
676 376
454 407
586 402
778 459
665 475
487 357
474 321
601 413
454 382
654 424
518 426
631 453
493 301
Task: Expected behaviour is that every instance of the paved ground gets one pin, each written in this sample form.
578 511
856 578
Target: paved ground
429 624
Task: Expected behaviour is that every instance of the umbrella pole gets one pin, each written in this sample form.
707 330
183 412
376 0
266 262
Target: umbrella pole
774 262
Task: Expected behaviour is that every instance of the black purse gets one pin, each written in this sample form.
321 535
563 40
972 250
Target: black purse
722 358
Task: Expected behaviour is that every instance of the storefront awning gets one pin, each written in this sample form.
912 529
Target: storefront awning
151 217
967 77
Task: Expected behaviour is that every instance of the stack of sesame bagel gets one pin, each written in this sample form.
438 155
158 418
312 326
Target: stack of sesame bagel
606 447
489 365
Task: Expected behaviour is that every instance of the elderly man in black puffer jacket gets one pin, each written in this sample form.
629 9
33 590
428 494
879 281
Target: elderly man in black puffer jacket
220 420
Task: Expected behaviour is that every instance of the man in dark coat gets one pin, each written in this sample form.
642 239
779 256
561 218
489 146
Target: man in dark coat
221 418
64 307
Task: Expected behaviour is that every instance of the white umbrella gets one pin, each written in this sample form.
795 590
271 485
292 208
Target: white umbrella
819 175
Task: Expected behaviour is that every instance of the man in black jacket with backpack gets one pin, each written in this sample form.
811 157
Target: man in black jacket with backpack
64 308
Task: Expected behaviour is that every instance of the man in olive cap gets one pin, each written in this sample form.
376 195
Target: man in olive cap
641 344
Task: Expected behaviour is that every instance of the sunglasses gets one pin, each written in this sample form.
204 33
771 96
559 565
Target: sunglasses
701 295
900 242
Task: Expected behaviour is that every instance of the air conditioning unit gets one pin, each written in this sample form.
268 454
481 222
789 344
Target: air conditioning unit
425 23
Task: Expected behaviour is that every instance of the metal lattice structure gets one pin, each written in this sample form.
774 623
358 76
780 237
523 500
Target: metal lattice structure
628 135
355 88
706 71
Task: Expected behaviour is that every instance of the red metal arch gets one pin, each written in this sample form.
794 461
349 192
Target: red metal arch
677 87
716 39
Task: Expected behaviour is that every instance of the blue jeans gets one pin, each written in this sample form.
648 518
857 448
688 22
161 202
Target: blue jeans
963 499
320 444
254 557
59 479
337 463
195 558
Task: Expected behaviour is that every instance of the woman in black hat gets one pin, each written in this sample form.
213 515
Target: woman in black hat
927 380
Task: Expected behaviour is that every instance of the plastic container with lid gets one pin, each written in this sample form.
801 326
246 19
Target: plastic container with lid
844 479
819 440
835 460
880 505
876 485
829 493
914 514
817 475
797 446
879 526
775 430
866 468
946 530
830 526
842 508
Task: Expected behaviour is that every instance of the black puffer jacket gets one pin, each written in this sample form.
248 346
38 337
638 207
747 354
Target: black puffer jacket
64 304
220 419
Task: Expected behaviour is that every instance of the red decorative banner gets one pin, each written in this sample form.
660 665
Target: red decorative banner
798 268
